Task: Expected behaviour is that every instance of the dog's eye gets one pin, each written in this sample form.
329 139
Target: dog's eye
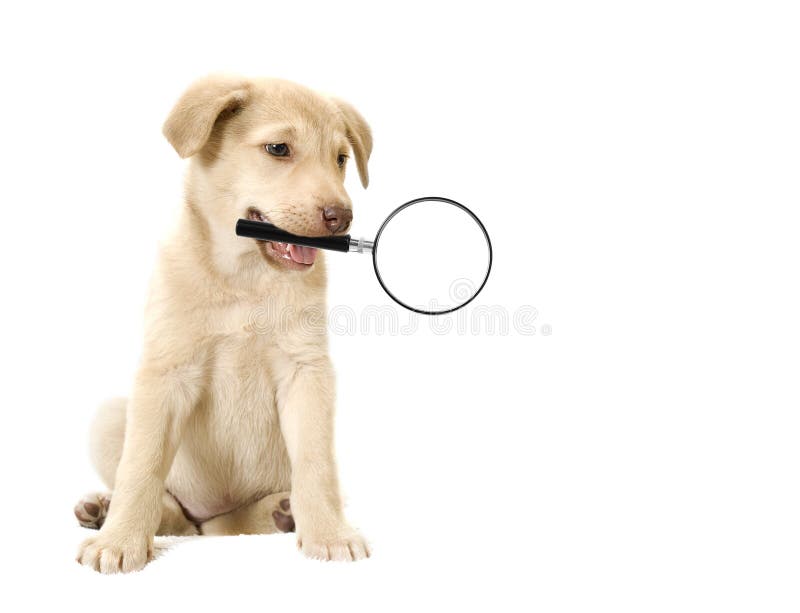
341 160
280 150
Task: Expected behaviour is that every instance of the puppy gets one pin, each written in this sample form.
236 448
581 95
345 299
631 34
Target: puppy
229 427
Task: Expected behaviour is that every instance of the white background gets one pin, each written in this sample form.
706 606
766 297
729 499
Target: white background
637 167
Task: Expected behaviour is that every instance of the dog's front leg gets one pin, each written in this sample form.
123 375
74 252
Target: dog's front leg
158 408
306 416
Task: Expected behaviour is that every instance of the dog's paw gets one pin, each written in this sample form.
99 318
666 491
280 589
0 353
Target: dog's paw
109 553
283 519
346 545
92 509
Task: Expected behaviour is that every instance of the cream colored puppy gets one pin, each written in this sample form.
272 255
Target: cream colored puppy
229 428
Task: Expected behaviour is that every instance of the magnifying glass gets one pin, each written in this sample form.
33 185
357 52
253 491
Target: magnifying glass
431 255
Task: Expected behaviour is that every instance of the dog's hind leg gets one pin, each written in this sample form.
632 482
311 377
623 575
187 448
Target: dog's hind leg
105 443
91 511
265 516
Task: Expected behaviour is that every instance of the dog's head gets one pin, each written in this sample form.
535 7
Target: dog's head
269 150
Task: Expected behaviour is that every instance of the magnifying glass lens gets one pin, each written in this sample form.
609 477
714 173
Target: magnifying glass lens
432 256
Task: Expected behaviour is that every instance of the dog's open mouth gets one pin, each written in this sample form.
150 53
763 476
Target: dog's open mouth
295 257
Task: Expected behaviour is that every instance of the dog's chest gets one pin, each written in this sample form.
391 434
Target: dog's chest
232 449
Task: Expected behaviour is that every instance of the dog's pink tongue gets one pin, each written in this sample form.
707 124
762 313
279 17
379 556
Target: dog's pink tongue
302 255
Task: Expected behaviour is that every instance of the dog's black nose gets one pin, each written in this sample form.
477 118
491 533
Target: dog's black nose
337 218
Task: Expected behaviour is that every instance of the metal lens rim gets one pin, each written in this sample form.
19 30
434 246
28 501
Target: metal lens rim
405 206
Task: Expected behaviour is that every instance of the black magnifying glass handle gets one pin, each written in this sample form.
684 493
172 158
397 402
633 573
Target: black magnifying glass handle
267 232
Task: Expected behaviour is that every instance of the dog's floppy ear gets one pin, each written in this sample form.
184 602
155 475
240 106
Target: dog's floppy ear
360 137
190 123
